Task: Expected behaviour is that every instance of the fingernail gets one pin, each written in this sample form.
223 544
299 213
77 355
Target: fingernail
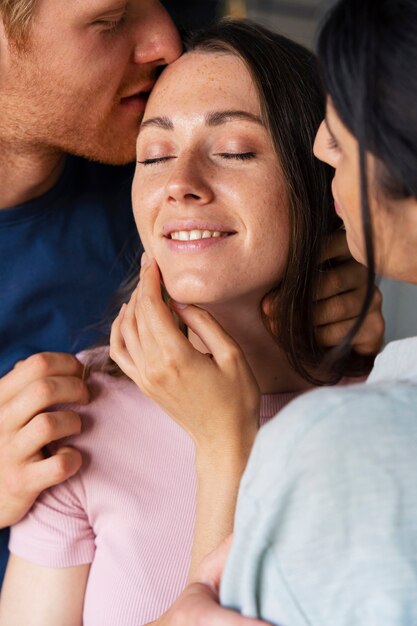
122 310
178 305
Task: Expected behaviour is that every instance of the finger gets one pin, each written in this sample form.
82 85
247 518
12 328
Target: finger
370 337
43 429
35 367
344 306
46 473
159 332
203 608
220 345
39 396
118 350
130 349
335 247
342 278
210 570
331 335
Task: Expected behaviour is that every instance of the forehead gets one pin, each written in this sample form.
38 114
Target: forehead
206 81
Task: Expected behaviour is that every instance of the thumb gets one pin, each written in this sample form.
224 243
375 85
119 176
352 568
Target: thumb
210 570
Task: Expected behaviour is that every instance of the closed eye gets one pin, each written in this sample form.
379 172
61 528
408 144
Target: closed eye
156 160
240 156
111 25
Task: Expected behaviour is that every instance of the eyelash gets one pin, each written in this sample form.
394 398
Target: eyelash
239 156
155 161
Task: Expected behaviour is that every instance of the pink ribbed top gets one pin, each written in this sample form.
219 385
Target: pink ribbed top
130 510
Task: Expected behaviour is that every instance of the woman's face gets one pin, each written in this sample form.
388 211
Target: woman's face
394 222
209 197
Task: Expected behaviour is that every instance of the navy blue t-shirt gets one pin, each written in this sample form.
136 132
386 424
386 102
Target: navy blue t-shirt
62 257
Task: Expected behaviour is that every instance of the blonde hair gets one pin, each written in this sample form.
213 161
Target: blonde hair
17 17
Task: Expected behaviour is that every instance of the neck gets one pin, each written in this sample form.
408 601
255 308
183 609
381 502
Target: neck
267 360
28 172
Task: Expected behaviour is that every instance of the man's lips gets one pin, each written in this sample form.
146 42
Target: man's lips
139 96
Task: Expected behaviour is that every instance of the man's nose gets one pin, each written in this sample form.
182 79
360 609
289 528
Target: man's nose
157 39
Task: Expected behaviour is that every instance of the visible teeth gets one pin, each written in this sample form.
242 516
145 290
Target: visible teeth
191 235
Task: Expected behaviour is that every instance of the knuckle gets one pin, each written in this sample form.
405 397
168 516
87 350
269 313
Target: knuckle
126 325
60 467
155 374
44 426
45 390
232 354
40 364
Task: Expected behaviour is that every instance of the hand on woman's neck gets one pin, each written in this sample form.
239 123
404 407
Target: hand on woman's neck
266 359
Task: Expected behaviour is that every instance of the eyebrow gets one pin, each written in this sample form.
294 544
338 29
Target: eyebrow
212 119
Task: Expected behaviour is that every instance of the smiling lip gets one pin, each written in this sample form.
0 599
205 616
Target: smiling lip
195 235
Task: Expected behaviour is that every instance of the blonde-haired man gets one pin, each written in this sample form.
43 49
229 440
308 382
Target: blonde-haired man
74 78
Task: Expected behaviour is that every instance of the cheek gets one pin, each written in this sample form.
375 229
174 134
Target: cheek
272 233
145 214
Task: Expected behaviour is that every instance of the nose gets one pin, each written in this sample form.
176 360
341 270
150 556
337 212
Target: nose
321 143
188 184
157 39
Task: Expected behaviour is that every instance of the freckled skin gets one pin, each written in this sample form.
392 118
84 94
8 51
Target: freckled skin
248 196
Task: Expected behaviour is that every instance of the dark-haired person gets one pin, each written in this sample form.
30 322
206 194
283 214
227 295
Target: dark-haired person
232 205
326 524
74 79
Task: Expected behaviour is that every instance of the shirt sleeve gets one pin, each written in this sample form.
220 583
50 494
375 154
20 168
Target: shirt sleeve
326 525
56 532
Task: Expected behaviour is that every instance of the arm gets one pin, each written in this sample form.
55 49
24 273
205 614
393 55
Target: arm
202 392
40 596
199 602
26 392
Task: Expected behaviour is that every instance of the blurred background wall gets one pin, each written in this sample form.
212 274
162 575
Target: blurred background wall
299 19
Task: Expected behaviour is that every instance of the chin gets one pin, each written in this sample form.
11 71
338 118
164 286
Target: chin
189 293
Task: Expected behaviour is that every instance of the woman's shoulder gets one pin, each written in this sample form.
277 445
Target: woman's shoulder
116 405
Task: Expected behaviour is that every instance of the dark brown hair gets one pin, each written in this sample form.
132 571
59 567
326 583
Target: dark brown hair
368 52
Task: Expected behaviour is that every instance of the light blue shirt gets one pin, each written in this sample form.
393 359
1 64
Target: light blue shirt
326 523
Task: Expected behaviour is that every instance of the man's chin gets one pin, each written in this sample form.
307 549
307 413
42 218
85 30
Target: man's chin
108 156
108 150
